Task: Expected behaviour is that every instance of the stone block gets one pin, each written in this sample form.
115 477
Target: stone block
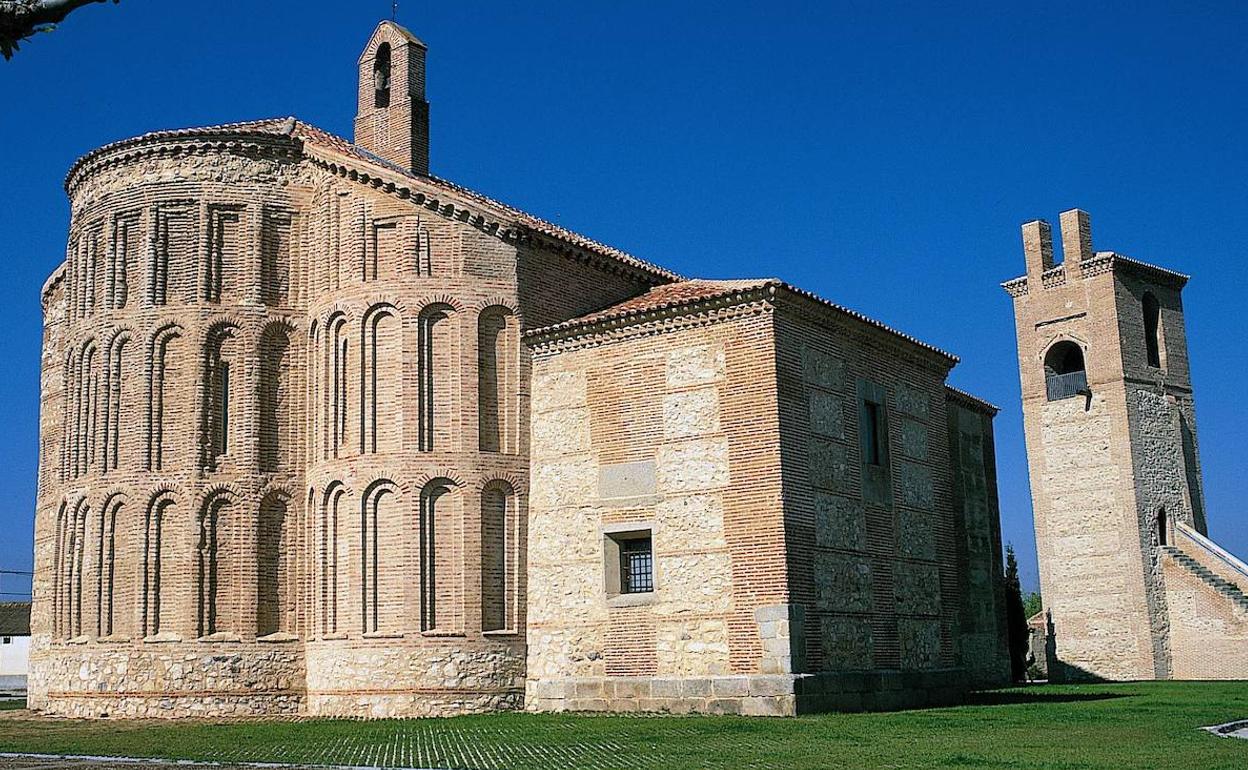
695 688
827 414
771 612
828 465
840 522
690 413
730 687
666 688
635 479
723 706
694 365
765 706
771 685
700 464
822 370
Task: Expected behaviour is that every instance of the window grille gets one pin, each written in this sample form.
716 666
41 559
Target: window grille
636 566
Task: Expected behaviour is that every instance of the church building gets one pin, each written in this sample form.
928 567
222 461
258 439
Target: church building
322 433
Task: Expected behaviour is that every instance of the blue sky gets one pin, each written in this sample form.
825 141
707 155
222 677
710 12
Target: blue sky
880 154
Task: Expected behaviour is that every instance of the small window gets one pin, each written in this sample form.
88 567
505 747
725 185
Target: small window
629 562
1152 329
636 567
872 430
8 640
1163 533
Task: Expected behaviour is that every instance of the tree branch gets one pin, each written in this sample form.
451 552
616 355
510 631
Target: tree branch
20 19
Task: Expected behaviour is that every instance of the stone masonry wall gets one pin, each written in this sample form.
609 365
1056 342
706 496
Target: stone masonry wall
980 639
1208 631
873 558
669 430
1113 472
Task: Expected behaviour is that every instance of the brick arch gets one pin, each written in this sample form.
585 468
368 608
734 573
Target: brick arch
81 431
495 300
442 473
498 379
371 302
221 489
163 587
331 534
114 556
117 408
281 367
219 561
440 523
500 528
337 380
277 561
512 481
382 580
382 358
439 343
59 561
223 347
442 298
158 366
1059 338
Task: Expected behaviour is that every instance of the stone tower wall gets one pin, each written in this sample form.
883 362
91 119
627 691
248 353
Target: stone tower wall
1083 488
1114 469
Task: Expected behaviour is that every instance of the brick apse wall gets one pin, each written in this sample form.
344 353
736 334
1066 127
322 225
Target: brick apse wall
284 433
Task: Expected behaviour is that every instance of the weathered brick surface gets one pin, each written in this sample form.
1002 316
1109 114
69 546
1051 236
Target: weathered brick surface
1115 470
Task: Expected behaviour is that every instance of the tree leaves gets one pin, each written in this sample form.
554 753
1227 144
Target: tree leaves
20 19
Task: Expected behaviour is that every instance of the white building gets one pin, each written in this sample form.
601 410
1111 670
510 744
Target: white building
14 645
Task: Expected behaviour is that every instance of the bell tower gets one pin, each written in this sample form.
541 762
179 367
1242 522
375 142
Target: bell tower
1110 426
392 116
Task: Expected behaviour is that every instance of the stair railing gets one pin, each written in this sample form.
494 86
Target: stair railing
1212 548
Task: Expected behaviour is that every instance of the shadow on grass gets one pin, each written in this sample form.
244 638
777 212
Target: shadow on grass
1014 697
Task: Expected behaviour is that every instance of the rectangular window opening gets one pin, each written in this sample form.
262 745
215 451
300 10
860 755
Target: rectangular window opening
629 563
872 430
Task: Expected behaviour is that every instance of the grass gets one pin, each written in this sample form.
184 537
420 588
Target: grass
1144 725
14 704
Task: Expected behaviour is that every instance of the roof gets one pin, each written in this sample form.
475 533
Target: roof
291 128
973 402
693 292
672 290
1105 261
14 618
404 32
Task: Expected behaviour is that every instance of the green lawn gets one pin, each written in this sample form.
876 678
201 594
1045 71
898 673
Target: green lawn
1148 725
8 705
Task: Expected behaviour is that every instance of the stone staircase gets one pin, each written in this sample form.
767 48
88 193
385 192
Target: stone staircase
1223 586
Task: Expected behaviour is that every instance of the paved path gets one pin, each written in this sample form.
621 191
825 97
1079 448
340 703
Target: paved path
1238 729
